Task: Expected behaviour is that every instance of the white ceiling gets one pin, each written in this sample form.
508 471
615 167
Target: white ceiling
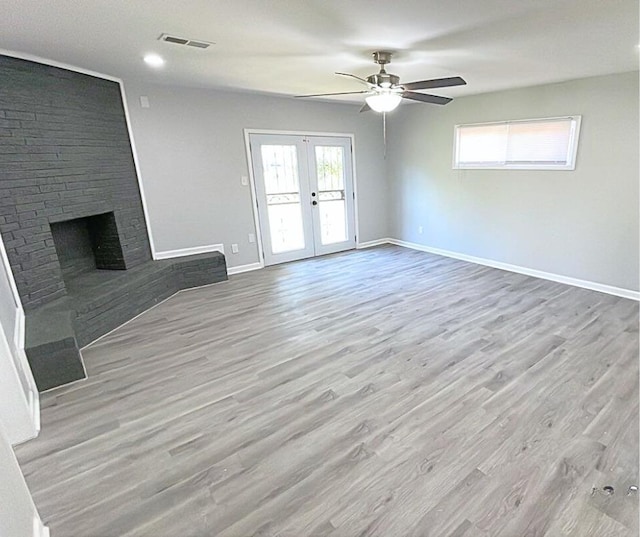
293 47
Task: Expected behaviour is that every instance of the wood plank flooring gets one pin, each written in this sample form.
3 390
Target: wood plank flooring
381 392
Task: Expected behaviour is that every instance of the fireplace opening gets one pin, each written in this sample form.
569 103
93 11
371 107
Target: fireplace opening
87 244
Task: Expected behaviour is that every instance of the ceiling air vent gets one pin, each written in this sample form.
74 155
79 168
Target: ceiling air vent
196 43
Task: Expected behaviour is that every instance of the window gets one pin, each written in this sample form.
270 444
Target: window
532 144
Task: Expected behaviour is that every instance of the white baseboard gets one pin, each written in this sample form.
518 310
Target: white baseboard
244 268
39 529
33 396
27 403
370 244
559 278
19 329
585 284
168 254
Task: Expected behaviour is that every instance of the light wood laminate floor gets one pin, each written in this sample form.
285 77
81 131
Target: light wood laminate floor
380 392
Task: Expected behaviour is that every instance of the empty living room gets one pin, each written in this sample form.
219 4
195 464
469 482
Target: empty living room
293 268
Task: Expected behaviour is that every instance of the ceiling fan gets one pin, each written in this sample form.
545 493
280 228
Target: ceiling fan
385 91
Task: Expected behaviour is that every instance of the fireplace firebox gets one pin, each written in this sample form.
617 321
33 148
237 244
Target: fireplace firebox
86 244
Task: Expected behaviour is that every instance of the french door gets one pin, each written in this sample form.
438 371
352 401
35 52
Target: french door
304 190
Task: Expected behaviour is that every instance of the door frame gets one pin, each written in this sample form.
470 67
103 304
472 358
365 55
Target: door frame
252 179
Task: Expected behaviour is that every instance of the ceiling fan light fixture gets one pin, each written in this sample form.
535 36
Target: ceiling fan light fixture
384 102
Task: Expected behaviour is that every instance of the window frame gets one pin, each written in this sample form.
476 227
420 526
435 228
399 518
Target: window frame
572 153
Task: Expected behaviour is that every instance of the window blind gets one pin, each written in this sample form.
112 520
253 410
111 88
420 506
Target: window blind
531 144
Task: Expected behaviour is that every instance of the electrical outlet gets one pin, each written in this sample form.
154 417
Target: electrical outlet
234 248
244 180
144 101
420 230
252 238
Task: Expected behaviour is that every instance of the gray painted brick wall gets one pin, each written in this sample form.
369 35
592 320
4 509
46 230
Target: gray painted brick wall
64 153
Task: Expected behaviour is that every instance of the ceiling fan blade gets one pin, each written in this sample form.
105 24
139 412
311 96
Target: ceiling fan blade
326 94
426 98
435 83
365 108
359 79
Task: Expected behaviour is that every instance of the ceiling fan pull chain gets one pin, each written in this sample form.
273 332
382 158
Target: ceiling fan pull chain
384 133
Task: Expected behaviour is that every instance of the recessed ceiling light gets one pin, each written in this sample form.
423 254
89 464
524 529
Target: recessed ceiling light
154 60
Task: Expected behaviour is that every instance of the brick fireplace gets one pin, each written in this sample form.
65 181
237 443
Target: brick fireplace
71 215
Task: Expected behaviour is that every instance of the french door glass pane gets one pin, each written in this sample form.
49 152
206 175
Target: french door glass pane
331 194
282 187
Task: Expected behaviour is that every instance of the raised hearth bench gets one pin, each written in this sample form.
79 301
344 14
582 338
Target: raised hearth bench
101 300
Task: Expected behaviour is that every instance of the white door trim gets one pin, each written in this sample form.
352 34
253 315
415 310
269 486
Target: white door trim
252 180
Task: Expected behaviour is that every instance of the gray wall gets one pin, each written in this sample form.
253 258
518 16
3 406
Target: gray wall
191 152
582 224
